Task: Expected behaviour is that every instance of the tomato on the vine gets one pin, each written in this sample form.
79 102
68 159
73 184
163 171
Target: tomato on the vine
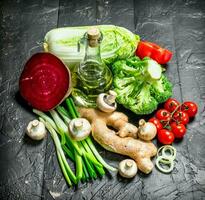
165 136
181 117
190 108
179 130
171 104
157 123
163 115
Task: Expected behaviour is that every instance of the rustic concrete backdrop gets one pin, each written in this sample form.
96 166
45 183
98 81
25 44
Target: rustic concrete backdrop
29 170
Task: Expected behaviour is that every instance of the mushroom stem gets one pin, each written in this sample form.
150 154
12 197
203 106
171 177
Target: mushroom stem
129 163
110 99
142 122
78 125
35 123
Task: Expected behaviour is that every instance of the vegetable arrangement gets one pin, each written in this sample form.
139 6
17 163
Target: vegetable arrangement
140 84
89 164
170 121
124 140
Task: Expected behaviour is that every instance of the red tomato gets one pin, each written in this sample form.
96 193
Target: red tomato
157 53
163 114
157 123
181 117
165 137
190 108
171 104
179 130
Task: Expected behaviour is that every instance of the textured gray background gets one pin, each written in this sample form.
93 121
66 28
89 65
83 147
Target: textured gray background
29 170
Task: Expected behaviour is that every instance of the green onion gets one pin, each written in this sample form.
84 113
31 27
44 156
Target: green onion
63 114
75 114
60 154
62 127
98 156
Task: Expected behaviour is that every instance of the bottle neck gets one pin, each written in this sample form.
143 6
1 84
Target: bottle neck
92 53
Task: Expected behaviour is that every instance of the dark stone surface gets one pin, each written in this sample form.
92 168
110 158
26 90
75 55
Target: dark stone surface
29 170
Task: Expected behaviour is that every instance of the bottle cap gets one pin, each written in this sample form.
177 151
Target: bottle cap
93 36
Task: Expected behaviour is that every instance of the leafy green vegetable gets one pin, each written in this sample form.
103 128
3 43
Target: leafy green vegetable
140 84
117 43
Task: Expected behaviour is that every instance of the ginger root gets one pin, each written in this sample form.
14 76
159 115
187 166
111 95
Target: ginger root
123 141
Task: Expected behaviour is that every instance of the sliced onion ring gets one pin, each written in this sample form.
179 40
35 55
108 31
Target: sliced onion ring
167 148
166 158
167 161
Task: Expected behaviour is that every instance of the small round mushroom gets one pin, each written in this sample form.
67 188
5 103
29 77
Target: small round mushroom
36 130
79 128
106 102
128 168
147 130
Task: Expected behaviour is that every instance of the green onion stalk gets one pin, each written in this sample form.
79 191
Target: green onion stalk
89 164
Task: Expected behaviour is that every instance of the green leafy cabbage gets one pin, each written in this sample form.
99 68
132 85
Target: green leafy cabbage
118 43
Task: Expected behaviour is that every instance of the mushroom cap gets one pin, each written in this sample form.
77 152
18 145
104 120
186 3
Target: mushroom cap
147 131
36 130
79 128
104 106
128 168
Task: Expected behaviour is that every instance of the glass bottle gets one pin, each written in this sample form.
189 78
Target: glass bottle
94 77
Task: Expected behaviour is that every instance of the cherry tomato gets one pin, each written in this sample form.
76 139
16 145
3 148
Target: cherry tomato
171 104
181 117
179 130
165 137
157 123
154 51
163 114
190 108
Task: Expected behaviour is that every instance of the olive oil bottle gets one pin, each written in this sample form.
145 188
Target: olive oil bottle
94 77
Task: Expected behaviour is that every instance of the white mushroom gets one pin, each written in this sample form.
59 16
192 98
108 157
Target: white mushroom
36 130
128 168
79 128
147 130
106 102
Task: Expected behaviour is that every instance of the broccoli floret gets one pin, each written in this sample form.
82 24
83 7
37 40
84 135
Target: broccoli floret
161 90
123 82
145 103
140 85
123 95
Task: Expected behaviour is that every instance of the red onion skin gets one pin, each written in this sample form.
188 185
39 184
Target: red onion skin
45 81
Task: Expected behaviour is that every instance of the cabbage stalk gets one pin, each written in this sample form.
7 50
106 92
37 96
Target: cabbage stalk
118 43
